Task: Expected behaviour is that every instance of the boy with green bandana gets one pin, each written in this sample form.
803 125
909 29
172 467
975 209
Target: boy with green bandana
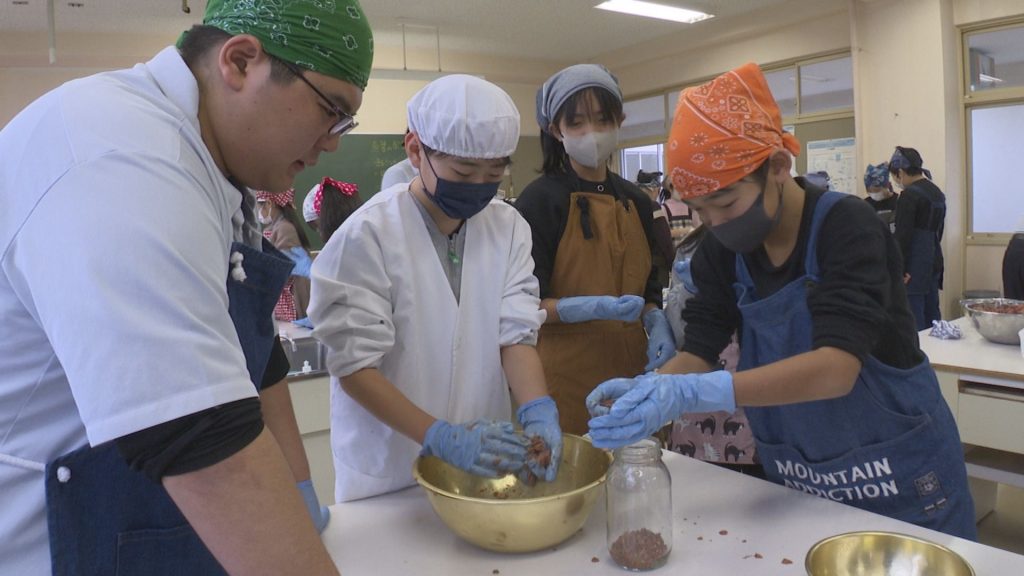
134 439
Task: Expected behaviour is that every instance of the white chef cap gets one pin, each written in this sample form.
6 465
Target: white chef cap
308 212
465 116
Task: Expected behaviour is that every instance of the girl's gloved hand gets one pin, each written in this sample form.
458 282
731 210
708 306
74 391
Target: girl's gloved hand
645 403
661 343
585 308
681 269
482 447
321 515
539 417
303 263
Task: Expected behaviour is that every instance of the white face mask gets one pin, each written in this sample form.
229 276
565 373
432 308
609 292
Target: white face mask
261 217
592 149
877 196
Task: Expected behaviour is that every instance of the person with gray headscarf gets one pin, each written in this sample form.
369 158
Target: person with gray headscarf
592 246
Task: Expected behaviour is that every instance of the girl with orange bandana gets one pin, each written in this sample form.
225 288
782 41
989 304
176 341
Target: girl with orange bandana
841 400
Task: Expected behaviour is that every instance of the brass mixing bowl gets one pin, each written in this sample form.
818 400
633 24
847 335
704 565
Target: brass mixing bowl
505 515
883 554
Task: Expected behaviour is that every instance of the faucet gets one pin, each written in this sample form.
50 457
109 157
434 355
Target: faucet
285 336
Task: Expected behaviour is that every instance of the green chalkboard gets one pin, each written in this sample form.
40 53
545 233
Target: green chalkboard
360 159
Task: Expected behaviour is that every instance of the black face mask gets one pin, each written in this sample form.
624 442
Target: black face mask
748 231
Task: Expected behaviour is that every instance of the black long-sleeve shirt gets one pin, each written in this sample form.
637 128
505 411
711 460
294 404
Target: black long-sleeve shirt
859 305
544 203
915 211
1013 268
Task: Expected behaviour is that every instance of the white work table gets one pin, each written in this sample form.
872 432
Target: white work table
974 355
983 383
399 533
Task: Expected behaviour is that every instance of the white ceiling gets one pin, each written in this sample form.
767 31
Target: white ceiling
555 30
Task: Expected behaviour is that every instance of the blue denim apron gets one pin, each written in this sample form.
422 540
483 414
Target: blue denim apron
107 519
890 446
925 269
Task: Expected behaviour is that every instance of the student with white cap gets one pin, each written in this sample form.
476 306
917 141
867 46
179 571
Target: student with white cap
427 303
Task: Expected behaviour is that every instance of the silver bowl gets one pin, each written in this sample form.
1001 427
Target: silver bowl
998 327
883 554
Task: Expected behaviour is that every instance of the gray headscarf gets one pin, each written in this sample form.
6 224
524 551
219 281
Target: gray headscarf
553 94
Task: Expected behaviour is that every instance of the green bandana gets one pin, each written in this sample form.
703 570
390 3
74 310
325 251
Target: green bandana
331 37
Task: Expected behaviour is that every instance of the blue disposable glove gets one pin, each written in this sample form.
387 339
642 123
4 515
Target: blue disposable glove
304 322
661 343
646 403
302 261
682 271
583 308
320 514
482 447
539 417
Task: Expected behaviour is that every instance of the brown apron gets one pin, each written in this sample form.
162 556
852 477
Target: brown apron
603 252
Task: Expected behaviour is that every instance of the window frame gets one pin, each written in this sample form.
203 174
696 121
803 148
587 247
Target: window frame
992 97
799 118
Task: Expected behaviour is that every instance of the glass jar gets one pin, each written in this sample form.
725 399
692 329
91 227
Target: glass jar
639 502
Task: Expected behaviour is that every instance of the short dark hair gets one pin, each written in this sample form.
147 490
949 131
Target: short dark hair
201 39
431 152
556 160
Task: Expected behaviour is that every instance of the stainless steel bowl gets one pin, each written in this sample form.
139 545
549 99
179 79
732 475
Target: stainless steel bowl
504 515
995 326
883 554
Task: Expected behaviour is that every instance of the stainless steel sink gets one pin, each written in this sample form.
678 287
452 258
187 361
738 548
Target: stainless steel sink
307 356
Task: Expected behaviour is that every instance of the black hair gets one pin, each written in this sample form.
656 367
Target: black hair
760 174
913 157
431 152
648 177
335 208
201 39
691 240
556 160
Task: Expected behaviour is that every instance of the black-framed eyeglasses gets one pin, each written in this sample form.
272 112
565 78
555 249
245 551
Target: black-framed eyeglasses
346 122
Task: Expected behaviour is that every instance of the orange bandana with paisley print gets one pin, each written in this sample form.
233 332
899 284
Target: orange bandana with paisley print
724 130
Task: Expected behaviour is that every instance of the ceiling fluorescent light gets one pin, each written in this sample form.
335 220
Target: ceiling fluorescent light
989 79
652 10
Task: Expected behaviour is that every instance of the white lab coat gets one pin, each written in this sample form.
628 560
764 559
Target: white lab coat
381 299
113 311
399 173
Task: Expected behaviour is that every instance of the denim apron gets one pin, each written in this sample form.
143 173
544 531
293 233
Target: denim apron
107 519
925 268
890 446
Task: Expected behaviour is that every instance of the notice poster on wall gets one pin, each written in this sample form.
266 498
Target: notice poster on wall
837 157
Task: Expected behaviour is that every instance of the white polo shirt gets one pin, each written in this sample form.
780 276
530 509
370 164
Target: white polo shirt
115 232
